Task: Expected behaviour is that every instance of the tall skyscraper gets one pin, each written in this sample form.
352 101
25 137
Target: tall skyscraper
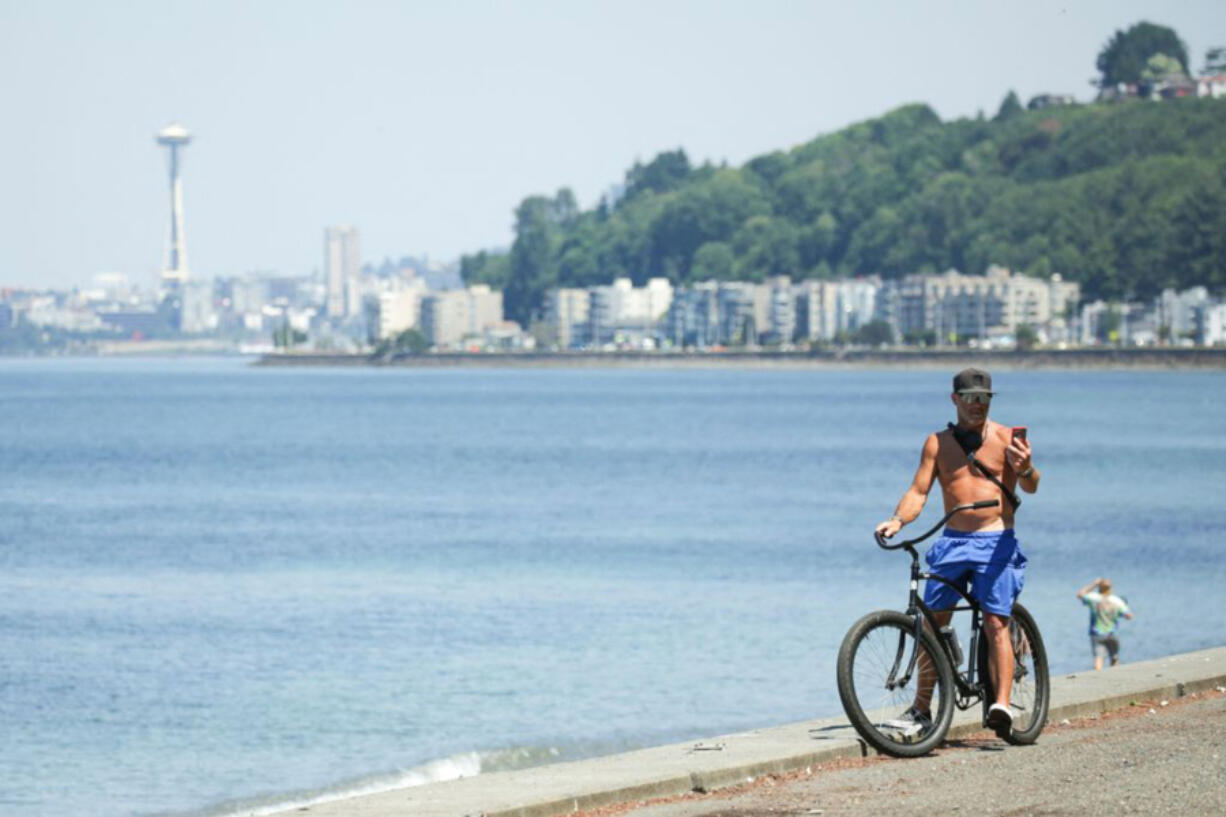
174 266
342 263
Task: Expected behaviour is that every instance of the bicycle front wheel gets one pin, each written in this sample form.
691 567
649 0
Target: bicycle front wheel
1031 692
883 673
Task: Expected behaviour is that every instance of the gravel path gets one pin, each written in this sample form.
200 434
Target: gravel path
1147 759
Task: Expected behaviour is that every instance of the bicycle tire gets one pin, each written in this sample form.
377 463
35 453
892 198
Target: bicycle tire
869 651
1030 695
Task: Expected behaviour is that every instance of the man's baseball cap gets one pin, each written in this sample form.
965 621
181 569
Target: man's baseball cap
973 381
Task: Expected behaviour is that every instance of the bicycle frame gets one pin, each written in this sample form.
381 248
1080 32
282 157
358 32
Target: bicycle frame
969 688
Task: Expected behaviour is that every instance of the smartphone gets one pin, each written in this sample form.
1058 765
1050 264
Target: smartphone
1019 432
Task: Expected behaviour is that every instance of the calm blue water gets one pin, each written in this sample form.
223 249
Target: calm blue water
224 587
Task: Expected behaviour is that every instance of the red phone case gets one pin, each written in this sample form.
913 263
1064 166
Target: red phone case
1019 431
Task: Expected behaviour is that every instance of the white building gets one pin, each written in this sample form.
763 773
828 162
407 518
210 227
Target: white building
568 316
693 317
781 311
987 307
1211 324
621 313
744 311
450 317
1211 86
49 309
196 313
825 309
400 308
1176 312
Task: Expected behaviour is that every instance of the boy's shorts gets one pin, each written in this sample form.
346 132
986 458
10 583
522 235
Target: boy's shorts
991 561
1105 646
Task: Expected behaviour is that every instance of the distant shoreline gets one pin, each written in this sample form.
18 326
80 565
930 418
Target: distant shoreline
1093 358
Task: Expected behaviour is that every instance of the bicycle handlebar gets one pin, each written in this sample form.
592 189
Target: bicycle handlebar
882 542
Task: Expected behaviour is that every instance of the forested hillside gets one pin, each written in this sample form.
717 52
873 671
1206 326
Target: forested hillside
1125 198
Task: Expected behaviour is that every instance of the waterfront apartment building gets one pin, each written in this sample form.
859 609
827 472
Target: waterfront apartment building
342 266
568 316
693 318
720 313
1175 312
450 317
827 309
622 313
1211 324
399 309
987 307
1173 317
780 324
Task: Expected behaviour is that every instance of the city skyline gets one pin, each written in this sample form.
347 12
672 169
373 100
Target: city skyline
424 127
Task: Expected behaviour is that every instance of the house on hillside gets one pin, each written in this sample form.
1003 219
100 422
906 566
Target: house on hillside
1038 103
1211 86
1173 86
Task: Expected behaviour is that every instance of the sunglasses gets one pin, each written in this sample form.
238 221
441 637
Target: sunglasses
975 397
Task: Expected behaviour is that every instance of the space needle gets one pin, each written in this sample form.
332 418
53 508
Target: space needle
174 269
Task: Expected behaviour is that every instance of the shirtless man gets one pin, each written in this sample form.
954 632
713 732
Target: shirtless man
979 545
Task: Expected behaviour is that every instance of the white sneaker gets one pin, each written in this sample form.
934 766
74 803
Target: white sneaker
910 723
1000 720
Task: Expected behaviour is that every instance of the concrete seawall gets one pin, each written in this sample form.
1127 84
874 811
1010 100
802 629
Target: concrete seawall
728 760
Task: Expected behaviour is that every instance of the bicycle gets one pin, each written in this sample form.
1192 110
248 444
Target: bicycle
885 653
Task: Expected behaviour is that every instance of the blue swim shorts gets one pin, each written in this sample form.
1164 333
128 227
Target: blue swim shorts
991 561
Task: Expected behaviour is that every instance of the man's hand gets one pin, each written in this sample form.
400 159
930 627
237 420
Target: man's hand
1018 453
890 527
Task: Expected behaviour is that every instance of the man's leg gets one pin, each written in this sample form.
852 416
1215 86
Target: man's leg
928 672
1001 654
1100 651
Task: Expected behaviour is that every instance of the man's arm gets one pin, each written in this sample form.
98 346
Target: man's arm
1082 592
912 502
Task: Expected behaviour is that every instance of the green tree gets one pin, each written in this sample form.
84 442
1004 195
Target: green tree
1010 108
664 173
1126 54
875 333
564 207
485 267
533 264
764 247
714 261
1026 337
410 341
1159 67
286 337
818 241
413 341
710 210
770 166
1199 251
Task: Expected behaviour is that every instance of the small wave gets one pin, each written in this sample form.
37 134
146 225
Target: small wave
467 764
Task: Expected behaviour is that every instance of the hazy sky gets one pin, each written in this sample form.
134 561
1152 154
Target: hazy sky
424 124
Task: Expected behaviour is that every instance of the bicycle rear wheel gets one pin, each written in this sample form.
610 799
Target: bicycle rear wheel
877 689
1031 693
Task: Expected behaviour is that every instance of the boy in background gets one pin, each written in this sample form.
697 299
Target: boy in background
1106 610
